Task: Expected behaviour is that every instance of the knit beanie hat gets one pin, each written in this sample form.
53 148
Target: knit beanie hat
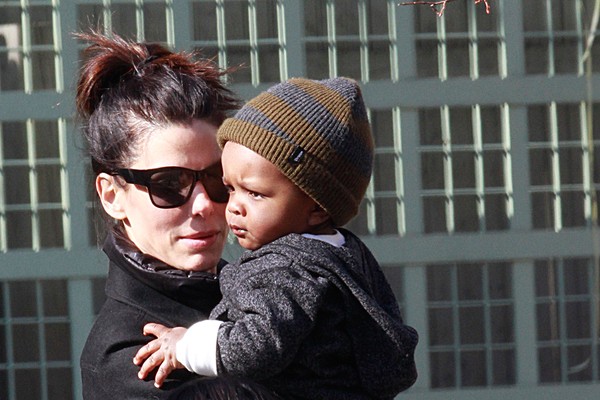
317 134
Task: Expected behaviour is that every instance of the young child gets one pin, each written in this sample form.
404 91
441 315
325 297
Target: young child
307 312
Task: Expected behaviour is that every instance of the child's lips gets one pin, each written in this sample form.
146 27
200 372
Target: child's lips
237 230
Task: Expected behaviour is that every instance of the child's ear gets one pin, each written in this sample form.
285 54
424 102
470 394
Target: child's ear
318 216
111 195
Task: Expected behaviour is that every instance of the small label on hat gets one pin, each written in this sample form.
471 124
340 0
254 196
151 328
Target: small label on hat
297 155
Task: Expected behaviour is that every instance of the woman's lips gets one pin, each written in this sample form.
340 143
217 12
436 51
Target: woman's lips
200 240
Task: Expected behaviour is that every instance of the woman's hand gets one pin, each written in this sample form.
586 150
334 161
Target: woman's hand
160 352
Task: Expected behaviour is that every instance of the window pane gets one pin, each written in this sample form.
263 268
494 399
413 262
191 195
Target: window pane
360 223
542 205
51 228
26 348
23 299
434 214
349 60
463 170
54 299
502 320
471 325
493 168
427 58
27 382
474 368
456 21
90 15
11 49
430 123
41 25
458 52
18 224
47 143
346 18
536 56
49 183
317 60
58 342
60 384
432 170
500 281
470 278
266 18
540 169
204 20
236 20
315 18
443 369
16 180
439 283
461 126
441 330
466 218
578 319
379 60
580 367
504 367
155 23
44 71
387 212
269 63
577 277
14 133
384 172
572 207
549 364
122 16
488 57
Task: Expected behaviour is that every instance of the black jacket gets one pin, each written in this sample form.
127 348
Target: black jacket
314 321
139 290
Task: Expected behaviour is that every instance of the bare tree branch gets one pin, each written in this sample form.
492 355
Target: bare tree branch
439 6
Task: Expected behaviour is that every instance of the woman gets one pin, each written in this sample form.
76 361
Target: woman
150 117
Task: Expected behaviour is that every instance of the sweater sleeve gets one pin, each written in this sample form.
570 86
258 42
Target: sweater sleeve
271 312
197 350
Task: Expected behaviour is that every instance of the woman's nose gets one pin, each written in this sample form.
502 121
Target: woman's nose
201 203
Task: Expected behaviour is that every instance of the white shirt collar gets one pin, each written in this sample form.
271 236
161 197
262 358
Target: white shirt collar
336 239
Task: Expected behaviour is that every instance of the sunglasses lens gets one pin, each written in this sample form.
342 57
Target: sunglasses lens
215 189
171 188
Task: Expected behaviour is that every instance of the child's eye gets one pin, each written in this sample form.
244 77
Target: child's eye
254 194
229 188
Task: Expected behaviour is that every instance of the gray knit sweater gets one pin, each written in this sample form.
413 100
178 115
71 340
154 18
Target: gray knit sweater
313 321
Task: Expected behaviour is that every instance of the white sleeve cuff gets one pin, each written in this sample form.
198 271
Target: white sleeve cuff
197 350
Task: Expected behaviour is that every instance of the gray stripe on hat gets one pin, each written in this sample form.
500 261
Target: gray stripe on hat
254 116
319 117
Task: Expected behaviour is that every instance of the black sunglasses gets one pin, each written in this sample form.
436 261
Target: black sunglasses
171 187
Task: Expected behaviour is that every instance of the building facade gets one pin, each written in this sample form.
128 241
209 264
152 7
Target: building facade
482 207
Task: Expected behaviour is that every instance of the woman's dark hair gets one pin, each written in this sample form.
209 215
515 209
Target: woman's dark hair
223 388
127 89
